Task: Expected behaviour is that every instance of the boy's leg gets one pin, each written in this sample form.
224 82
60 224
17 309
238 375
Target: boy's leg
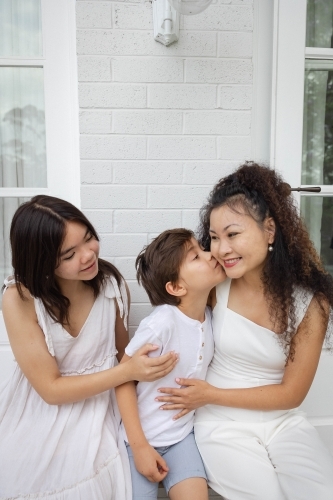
142 488
186 479
194 488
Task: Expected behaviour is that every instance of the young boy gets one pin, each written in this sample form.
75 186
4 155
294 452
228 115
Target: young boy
177 276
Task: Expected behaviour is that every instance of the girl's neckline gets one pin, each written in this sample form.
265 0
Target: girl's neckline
84 324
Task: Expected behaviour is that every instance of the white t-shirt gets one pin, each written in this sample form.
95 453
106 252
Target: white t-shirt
172 330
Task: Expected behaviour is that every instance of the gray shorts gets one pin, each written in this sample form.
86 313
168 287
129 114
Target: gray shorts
184 461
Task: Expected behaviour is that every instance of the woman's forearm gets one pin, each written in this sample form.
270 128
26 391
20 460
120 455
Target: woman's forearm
267 397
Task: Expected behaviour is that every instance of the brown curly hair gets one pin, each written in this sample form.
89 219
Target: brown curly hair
262 193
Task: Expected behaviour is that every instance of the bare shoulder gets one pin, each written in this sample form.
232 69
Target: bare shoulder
14 306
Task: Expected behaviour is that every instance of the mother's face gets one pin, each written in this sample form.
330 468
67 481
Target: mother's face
238 242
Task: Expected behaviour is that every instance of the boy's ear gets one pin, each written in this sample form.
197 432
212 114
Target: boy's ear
176 289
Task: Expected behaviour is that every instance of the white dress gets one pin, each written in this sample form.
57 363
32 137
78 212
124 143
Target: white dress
72 451
252 454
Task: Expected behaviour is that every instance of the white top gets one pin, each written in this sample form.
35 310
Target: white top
72 451
172 330
246 355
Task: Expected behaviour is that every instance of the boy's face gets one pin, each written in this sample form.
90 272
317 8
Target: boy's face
200 271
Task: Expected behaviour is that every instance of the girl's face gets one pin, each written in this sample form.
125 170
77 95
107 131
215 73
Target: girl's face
79 254
238 242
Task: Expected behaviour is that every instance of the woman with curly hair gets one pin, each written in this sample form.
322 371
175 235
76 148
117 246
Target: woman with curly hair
271 317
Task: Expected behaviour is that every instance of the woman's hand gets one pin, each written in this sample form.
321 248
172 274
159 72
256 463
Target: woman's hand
195 394
144 368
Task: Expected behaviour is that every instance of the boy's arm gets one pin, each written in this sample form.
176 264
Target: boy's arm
147 461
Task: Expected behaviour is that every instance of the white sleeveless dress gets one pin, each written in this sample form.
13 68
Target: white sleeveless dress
72 451
253 454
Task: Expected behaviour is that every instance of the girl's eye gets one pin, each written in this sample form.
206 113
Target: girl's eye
68 258
196 257
89 236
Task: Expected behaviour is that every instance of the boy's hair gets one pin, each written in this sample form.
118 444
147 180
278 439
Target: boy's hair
159 262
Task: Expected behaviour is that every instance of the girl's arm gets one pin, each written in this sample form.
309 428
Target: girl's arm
147 460
41 369
290 393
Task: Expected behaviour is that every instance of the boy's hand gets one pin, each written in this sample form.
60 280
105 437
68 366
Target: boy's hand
150 463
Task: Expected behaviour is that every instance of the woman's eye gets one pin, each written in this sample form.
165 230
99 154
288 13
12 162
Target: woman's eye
68 258
196 257
89 236
213 238
230 235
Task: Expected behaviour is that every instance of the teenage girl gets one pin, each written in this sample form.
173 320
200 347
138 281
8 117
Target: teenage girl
66 313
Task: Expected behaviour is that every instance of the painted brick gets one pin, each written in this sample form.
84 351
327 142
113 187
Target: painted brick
207 172
112 147
93 15
182 96
221 17
138 312
105 95
133 17
146 221
95 122
190 219
123 245
126 266
138 293
176 148
235 148
147 173
147 122
94 69
96 172
217 122
176 196
235 97
102 220
148 70
113 197
133 43
219 71
235 45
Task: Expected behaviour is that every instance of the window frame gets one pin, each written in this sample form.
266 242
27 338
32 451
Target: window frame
59 61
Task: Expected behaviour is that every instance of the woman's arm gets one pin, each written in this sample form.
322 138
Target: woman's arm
41 369
290 393
147 461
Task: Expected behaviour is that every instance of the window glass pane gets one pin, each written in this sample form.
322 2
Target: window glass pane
8 207
22 128
20 28
317 165
317 212
319 23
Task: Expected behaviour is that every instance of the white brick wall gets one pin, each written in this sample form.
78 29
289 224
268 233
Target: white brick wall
159 125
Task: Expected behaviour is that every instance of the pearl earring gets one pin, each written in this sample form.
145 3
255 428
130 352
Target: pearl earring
270 248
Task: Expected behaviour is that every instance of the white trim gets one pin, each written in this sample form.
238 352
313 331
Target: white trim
288 88
318 53
22 192
262 79
61 99
35 63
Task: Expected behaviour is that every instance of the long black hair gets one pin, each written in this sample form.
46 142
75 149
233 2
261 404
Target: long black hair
37 233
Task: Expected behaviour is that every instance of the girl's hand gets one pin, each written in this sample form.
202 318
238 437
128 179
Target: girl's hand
194 395
144 368
150 463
